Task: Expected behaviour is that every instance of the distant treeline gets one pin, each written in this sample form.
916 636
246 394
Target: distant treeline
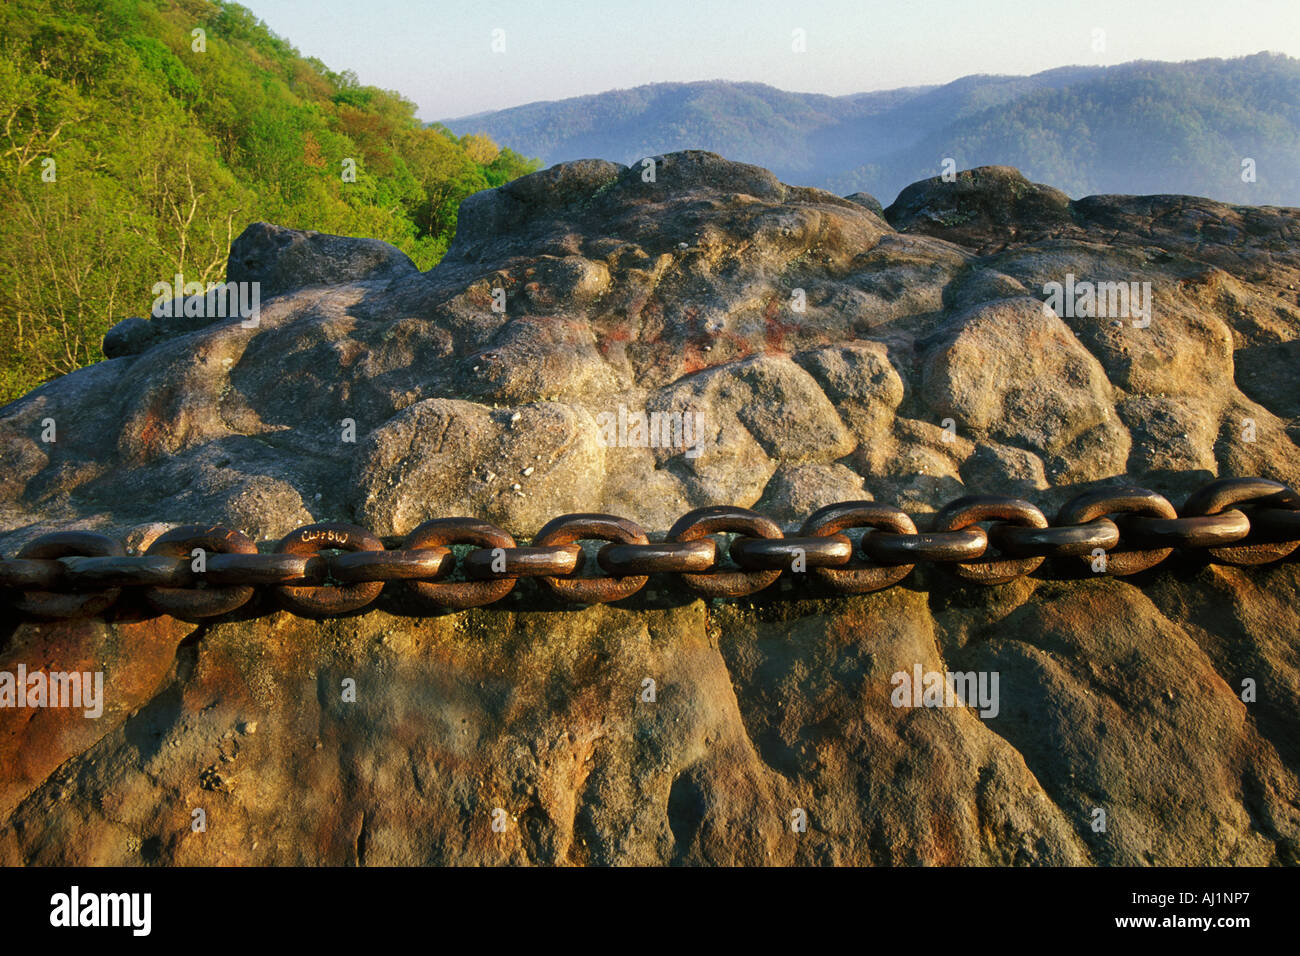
135 147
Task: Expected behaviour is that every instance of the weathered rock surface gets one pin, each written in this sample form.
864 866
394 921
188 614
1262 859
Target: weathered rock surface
829 353
285 260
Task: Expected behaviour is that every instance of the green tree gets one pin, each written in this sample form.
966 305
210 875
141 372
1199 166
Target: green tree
126 157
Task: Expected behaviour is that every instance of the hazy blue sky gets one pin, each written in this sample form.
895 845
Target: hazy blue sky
438 52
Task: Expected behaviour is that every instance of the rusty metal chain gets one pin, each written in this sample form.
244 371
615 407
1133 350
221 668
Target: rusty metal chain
196 573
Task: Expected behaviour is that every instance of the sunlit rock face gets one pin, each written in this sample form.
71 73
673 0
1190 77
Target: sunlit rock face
643 341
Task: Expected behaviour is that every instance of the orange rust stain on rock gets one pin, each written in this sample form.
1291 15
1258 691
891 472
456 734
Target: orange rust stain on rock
134 658
692 361
776 328
153 432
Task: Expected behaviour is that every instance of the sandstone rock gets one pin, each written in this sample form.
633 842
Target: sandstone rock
1013 371
284 260
868 201
917 466
443 457
128 337
860 371
823 348
983 206
1170 434
796 491
860 379
1266 374
1014 471
495 217
773 399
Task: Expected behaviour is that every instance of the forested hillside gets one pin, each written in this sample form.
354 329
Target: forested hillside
141 136
1138 127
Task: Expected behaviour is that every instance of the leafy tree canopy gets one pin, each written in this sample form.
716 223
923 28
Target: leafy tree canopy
130 152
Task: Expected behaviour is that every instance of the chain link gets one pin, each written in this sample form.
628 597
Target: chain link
200 572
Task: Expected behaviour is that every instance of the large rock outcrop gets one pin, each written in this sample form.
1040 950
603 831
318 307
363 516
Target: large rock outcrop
829 353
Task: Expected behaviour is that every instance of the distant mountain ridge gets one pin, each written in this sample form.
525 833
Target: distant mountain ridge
1140 127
